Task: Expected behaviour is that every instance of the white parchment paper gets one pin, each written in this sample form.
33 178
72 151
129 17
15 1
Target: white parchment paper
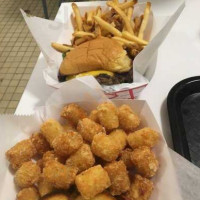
60 30
16 128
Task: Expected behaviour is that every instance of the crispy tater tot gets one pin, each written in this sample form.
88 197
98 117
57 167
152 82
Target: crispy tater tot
40 163
56 197
102 196
40 143
82 159
125 156
128 120
108 115
94 116
67 143
49 156
120 137
118 174
141 189
92 181
59 175
69 126
105 147
88 129
30 193
143 137
73 112
144 161
44 187
51 129
27 175
22 152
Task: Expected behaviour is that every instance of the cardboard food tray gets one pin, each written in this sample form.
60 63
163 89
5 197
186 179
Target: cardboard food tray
161 21
16 128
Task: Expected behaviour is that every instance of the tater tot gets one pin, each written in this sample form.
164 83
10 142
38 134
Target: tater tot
108 115
22 152
56 197
67 143
104 147
125 156
118 174
30 193
82 159
94 116
68 126
51 129
40 143
44 187
40 163
144 161
143 137
27 175
102 196
88 129
59 175
49 156
141 189
120 137
73 112
92 181
128 120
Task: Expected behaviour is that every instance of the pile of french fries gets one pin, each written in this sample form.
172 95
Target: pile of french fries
117 23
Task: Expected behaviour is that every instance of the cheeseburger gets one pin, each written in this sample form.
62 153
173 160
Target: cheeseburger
103 58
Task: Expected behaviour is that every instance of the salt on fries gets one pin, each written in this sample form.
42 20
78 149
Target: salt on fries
116 23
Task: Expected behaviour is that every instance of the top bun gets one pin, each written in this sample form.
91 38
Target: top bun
101 53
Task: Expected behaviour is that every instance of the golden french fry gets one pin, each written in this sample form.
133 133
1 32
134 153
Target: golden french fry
123 16
82 33
105 25
87 27
145 20
128 36
116 1
137 22
81 40
130 13
61 48
98 11
124 41
78 17
97 28
127 4
89 17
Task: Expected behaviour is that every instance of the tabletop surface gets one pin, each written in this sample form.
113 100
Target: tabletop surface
178 58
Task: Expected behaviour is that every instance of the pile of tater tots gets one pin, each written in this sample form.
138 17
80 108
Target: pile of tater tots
101 155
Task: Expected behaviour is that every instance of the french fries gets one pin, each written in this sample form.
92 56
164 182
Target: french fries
145 20
61 48
127 4
134 38
78 18
89 17
123 16
105 25
82 33
116 23
97 27
124 41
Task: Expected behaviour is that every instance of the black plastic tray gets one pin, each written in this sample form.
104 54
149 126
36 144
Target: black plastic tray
183 104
